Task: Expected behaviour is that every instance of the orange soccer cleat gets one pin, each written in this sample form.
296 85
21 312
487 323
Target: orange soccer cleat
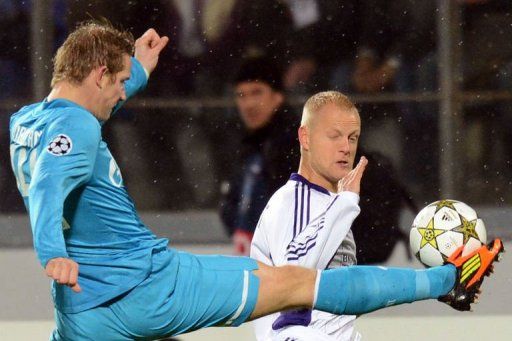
471 270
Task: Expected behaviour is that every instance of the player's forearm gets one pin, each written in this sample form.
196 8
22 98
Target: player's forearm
49 188
138 79
46 215
137 82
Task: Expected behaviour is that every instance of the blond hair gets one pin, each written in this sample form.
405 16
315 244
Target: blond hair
320 99
90 45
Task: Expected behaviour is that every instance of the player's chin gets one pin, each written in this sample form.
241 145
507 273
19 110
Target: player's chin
340 170
335 176
106 115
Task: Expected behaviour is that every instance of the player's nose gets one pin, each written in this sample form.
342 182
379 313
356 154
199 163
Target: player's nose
344 145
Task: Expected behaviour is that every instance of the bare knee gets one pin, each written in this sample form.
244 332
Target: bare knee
282 288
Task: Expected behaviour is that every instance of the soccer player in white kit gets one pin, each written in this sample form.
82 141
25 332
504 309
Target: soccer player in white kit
307 221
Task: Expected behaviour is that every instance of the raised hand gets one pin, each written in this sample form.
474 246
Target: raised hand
148 48
352 181
64 271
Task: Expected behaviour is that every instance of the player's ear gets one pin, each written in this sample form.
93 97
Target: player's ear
304 137
101 76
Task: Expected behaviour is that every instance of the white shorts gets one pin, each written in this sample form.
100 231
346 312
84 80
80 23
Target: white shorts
301 333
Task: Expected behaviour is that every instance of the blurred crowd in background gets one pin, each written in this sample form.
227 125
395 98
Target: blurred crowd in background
177 158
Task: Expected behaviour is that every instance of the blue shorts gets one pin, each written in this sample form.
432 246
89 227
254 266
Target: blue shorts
184 292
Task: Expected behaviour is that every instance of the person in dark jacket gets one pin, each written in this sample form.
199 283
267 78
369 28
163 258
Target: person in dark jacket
383 197
268 151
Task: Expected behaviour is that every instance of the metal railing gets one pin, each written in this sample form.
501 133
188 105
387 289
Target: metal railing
465 97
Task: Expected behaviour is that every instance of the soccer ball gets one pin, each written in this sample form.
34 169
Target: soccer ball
442 227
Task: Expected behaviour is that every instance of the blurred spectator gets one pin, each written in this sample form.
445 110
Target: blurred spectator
232 30
209 39
322 45
269 149
381 52
397 39
242 29
395 36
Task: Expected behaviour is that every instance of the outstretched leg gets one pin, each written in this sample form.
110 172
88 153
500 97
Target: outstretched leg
357 290
349 290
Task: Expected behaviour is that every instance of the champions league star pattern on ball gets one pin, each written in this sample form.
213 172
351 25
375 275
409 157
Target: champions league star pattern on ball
443 226
60 145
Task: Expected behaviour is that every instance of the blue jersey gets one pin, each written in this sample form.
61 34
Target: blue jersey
78 205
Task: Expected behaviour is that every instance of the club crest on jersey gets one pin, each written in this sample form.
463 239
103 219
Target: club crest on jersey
60 145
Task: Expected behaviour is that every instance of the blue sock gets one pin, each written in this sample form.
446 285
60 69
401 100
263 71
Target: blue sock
356 290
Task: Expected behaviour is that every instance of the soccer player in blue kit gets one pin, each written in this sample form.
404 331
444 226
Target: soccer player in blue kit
115 280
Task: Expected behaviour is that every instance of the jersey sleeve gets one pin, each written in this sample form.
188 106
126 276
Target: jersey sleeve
317 243
137 82
66 160
138 79
260 249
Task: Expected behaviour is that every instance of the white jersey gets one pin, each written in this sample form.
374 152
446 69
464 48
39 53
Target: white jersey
304 224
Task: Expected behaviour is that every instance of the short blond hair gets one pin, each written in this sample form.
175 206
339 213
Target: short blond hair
320 99
92 44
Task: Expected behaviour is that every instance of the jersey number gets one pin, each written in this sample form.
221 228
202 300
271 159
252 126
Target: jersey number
23 156
23 185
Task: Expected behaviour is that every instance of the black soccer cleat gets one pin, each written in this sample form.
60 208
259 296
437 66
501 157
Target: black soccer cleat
471 271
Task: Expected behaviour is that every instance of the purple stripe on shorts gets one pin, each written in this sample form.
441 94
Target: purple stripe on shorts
300 317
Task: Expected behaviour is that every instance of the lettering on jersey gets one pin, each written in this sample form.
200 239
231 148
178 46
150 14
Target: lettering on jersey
26 137
60 145
345 254
114 174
